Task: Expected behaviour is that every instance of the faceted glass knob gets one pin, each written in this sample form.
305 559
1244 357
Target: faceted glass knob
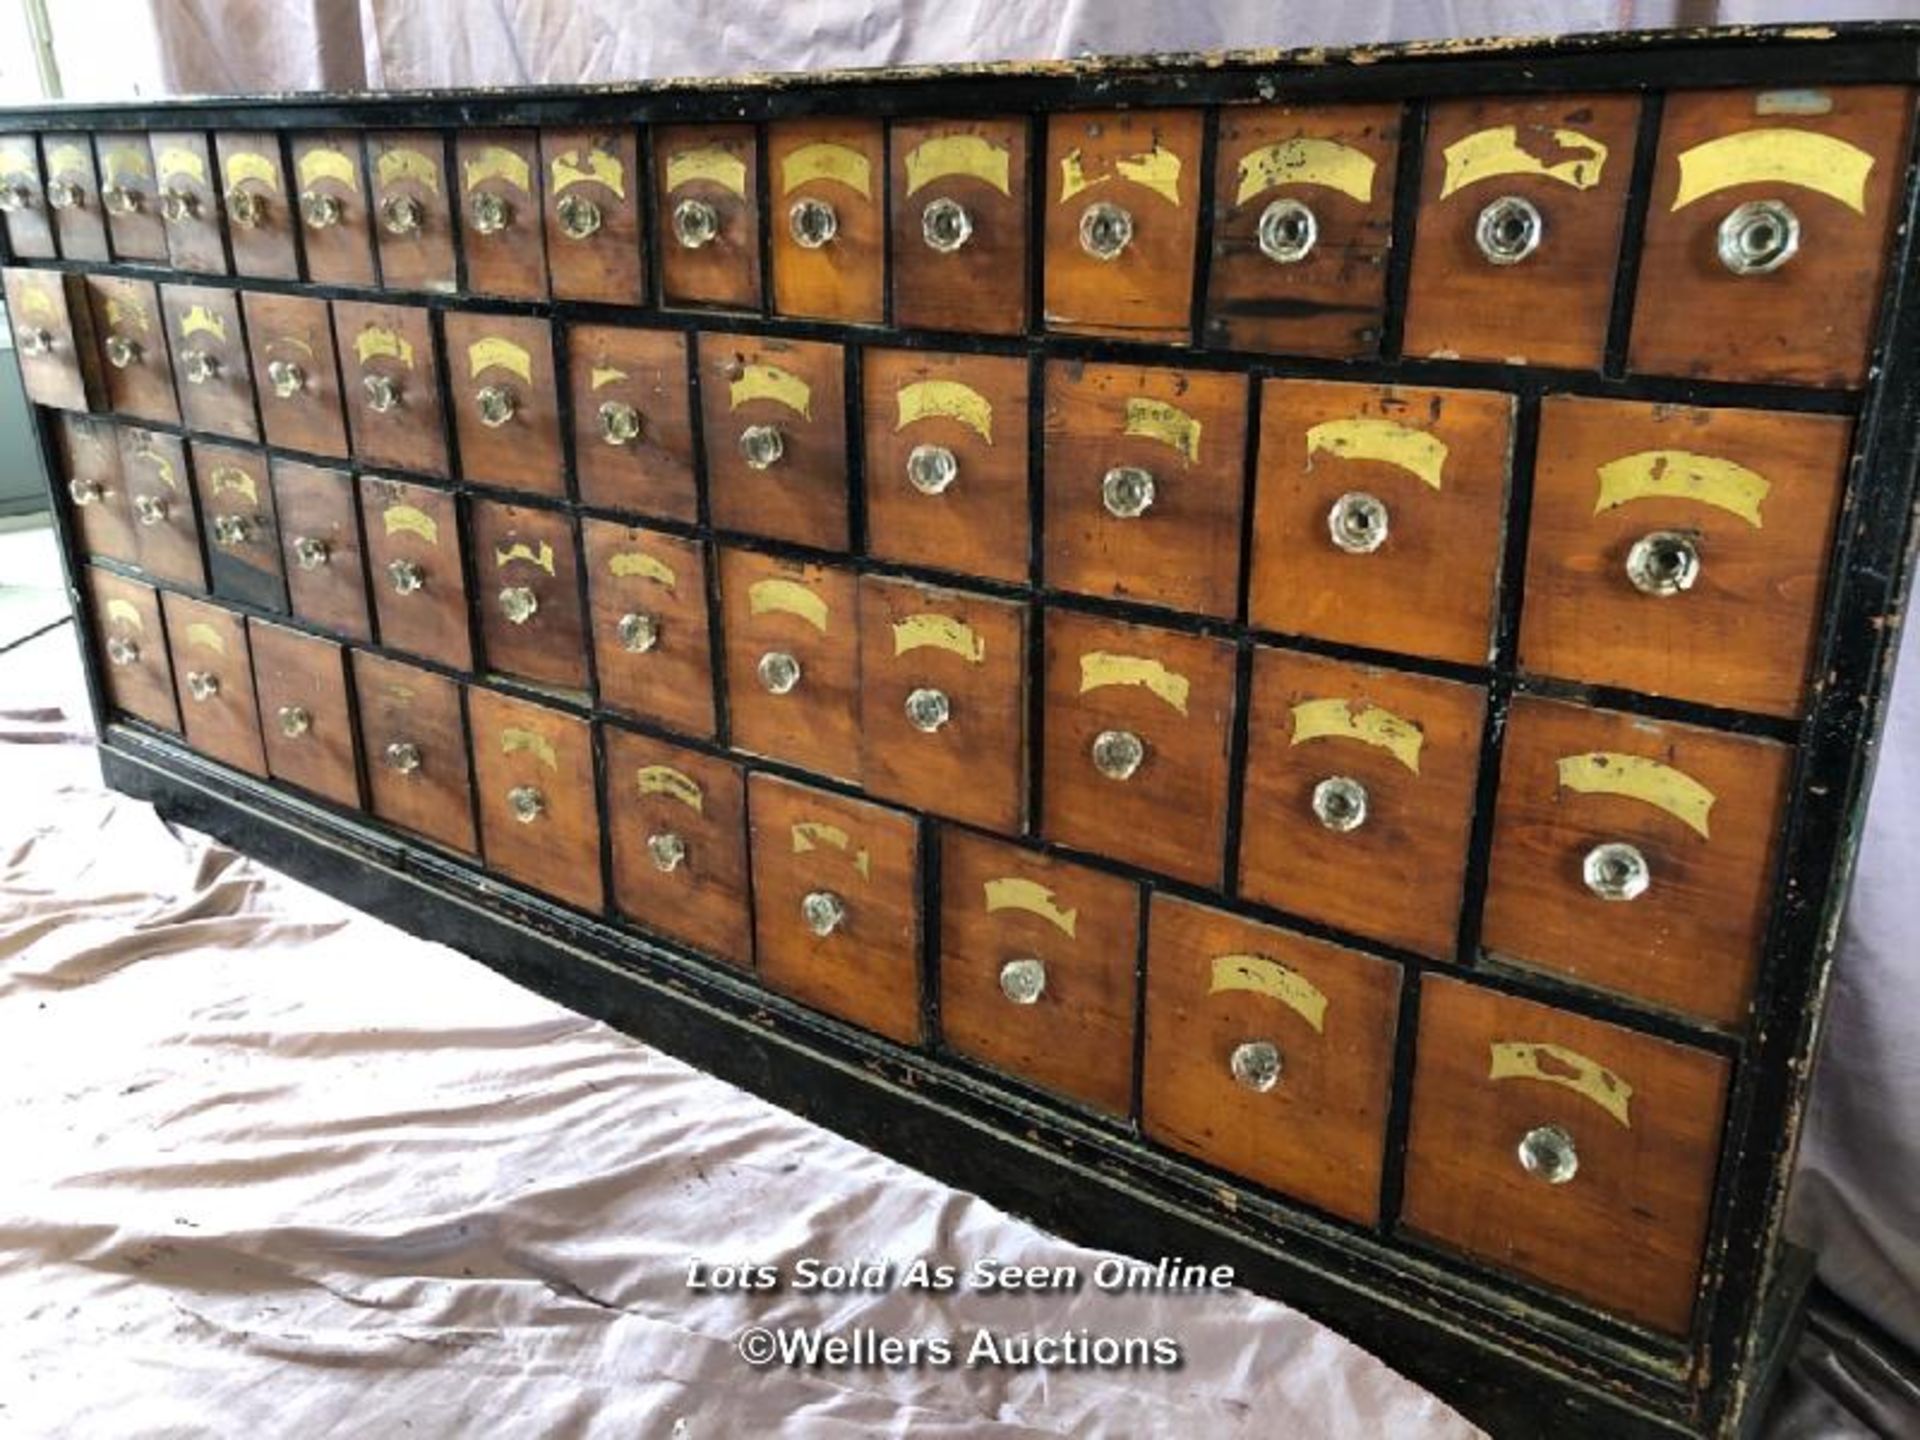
85 492
14 197
761 446
1105 230
178 206
311 552
1256 1065
246 208
928 710
823 912
945 225
402 215
812 223
579 216
231 530
1758 237
695 223
383 393
1616 871
122 351
287 378
495 404
1023 981
295 721
1287 232
1118 754
122 651
152 509
1127 492
319 211
202 685
120 200
489 212
1358 523
1547 1152
65 195
405 577
667 851
518 604
639 632
1663 563
527 803
1340 803
620 423
779 672
200 366
35 341
1509 230
403 757
932 469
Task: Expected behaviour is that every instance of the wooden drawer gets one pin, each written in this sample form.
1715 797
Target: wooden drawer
1379 515
679 828
129 198
593 215
73 196
1360 793
334 214
259 205
648 595
414 564
1801 183
773 413
1679 551
1123 200
53 339
1544 181
1145 482
306 721
503 397
87 452
320 547
211 372
960 224
827 180
23 201
1037 968
166 533
501 233
290 340
413 729
707 198
528 585
1566 1150
132 643
1269 1055
188 192
632 420
1635 855
943 701
213 676
539 805
836 904
238 525
135 365
413 218
792 647
946 461
391 385
1136 733
1302 222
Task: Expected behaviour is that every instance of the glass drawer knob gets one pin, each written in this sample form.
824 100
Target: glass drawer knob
1340 803
667 851
246 208
35 341
945 225
518 604
311 552
1509 230
295 721
152 509
405 577
823 912
1127 492
287 378
319 211
119 199
402 214
122 651
1023 981
620 423
179 206
761 446
85 492
200 366
1663 563
779 672
1105 230
639 632
122 352
527 803
202 685
695 223
231 530
15 197
1616 871
1758 237
403 757
1256 1065
489 212
495 404
1547 1152
812 223
932 469
928 709
65 195
1358 523
1288 231
1118 754
579 217
383 393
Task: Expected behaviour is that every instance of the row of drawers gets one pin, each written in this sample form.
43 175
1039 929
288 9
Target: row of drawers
1765 237
1267 1053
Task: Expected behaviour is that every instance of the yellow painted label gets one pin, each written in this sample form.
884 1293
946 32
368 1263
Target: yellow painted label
123 160
291 342
1776 155
810 835
412 521
251 165
498 163
1306 160
397 165
1366 437
787 597
127 313
1166 422
973 156
939 632
178 160
1682 475
597 167
605 375
1014 892
770 382
68 160
379 340
199 320
665 780
947 398
520 550
711 163
1488 154
513 741
230 479
162 466
38 304
1556 1065
332 165
205 637
1263 975
126 613
630 563
825 160
1335 718
16 161
498 353
1157 169
1099 669
1606 772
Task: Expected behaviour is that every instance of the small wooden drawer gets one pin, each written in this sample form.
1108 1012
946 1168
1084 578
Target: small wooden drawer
501 232
960 224
129 198
290 340
305 719
1302 222
392 386
828 186
412 214
774 416
632 420
593 215
88 454
1518 236
1269 1055
943 701
188 190
706 193
679 828
334 214
503 398
792 646
836 904
135 368
1379 515
1123 201
1136 734
213 676
1037 968
73 196
1566 1150
1359 796
1681 552
166 532
211 371
946 471
539 806
1145 483
413 730
53 339
133 644
414 565
259 206
1766 241
648 594
320 540
1635 855
529 593
238 525
23 200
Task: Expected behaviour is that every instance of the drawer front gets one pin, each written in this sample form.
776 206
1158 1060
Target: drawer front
1269 1055
1679 551
707 198
188 188
23 200
1123 199
1136 734
539 807
1636 856
211 371
131 643
792 646
943 701
836 904
135 363
632 420
773 413
1379 515
529 593
129 197
501 233
1302 223
960 224
259 205
290 340
1145 482
166 531
320 547
334 214
1360 792
946 461
392 386
213 676
1518 236
306 721
414 732
412 214
651 647
504 401
53 339
88 454
1801 186
679 830
593 215
1037 962
73 196
239 527
827 178
1571 1152
415 568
